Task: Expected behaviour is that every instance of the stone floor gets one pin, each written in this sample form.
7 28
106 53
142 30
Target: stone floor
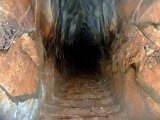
83 98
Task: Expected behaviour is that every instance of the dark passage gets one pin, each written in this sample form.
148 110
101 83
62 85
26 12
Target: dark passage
82 55
81 45
82 35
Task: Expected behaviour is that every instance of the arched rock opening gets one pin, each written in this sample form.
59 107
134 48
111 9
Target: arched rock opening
84 33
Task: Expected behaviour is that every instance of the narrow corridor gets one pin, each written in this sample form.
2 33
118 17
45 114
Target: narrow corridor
84 97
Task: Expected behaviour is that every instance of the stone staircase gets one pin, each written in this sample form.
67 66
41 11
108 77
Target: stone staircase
83 98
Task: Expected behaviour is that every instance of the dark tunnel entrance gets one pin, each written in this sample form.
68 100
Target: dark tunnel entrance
82 36
82 56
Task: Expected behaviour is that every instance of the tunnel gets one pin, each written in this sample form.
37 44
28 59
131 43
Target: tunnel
79 50
82 55
79 60
95 62
82 38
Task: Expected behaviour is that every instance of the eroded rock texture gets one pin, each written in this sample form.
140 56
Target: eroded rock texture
134 61
126 33
21 60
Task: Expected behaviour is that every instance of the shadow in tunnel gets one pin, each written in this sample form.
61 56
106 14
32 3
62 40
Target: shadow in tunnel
82 56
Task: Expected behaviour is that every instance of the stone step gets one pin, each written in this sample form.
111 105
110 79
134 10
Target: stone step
84 82
61 112
85 86
89 92
118 116
82 99
82 103
84 89
74 118
87 81
86 96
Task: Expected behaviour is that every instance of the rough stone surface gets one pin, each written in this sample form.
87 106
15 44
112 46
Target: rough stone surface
128 49
134 74
52 80
23 17
10 110
151 14
134 102
83 97
126 8
149 74
19 67
47 16
155 107
138 11
138 48
20 76
21 11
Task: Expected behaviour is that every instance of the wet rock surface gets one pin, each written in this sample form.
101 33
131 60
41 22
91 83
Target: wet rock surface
137 50
20 78
83 97
19 67
9 29
127 33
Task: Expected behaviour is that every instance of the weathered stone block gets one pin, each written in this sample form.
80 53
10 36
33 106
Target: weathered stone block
20 67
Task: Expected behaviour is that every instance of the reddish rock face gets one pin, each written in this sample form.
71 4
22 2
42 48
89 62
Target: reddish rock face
138 11
19 67
21 59
126 8
149 12
21 63
139 51
23 17
135 54
15 20
18 77
149 74
46 19
134 102
22 12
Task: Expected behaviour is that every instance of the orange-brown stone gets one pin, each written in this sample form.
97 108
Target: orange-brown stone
151 14
20 67
138 10
135 104
153 34
149 73
22 11
149 80
126 8
131 50
138 48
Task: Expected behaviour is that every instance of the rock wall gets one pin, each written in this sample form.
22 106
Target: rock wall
26 26
134 70
21 60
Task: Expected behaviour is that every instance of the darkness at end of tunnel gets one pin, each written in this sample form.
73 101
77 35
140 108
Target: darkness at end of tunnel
82 37
82 56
